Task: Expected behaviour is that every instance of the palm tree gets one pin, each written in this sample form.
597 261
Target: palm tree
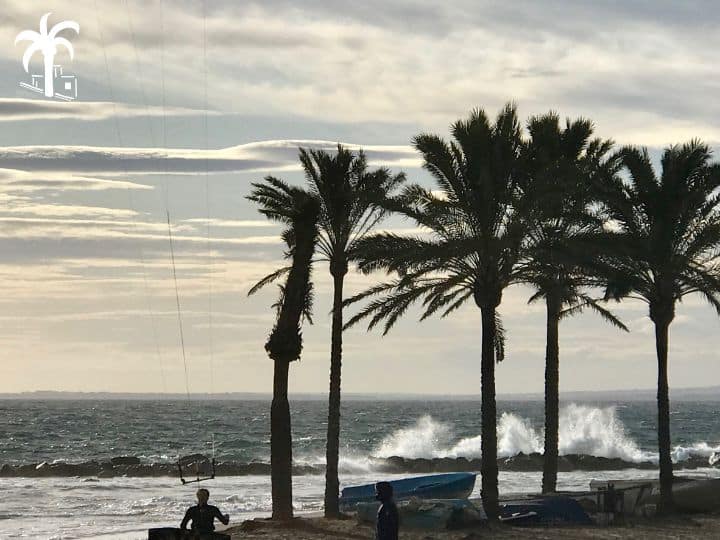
563 164
47 43
477 223
665 247
299 210
349 196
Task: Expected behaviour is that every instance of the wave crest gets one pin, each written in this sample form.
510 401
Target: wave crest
584 430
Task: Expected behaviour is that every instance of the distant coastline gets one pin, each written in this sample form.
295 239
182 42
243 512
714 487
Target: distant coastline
710 393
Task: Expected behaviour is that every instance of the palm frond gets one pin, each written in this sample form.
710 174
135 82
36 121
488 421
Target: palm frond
270 278
500 338
586 302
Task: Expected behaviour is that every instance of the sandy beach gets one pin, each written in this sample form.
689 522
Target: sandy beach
678 527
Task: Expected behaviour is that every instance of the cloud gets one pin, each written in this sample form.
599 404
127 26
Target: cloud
256 156
304 75
415 64
231 223
15 181
17 109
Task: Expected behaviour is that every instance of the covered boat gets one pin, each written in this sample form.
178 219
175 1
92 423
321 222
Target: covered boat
436 486
546 510
690 494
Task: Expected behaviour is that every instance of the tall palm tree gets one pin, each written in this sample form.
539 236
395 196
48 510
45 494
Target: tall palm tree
350 198
47 43
563 162
299 210
665 247
477 223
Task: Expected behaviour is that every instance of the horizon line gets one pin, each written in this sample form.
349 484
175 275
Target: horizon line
377 395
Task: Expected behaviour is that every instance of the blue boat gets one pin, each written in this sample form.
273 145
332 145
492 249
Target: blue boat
436 486
546 510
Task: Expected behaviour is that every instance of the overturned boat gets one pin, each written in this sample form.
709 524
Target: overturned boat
546 510
691 494
436 486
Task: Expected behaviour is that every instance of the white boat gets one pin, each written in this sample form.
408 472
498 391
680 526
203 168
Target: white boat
690 494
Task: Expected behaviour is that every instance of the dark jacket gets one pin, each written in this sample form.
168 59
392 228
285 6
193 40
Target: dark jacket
388 522
202 518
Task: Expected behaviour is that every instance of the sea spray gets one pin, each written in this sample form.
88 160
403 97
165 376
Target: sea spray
597 431
424 439
703 449
584 429
515 435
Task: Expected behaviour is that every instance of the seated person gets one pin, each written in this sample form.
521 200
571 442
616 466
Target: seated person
203 514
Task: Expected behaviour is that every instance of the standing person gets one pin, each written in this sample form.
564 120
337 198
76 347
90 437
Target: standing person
203 514
388 524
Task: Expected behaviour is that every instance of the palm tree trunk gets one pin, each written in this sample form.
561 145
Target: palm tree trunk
281 445
488 414
552 396
332 482
49 62
667 504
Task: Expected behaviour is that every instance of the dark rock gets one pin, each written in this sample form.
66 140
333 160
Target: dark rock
420 465
125 460
257 468
163 469
393 464
522 462
27 470
88 468
447 465
564 464
301 470
138 470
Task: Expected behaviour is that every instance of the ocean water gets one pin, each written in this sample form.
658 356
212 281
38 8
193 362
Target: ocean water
160 431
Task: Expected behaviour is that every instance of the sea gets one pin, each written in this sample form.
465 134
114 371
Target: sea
159 431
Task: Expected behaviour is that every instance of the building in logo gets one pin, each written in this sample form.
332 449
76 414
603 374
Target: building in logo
65 86
52 83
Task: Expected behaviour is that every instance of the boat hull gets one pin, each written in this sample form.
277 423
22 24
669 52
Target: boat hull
437 486
689 494
546 510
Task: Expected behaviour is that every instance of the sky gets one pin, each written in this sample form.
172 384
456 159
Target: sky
182 104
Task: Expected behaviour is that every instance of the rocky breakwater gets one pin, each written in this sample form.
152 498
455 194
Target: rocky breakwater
525 463
131 466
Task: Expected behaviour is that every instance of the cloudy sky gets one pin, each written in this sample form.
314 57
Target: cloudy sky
181 106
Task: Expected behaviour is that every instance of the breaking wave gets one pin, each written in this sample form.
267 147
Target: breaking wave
584 430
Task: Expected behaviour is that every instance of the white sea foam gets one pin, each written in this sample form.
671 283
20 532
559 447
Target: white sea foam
584 429
515 435
597 431
702 449
350 462
424 439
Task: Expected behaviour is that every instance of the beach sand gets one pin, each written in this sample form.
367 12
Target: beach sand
679 527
